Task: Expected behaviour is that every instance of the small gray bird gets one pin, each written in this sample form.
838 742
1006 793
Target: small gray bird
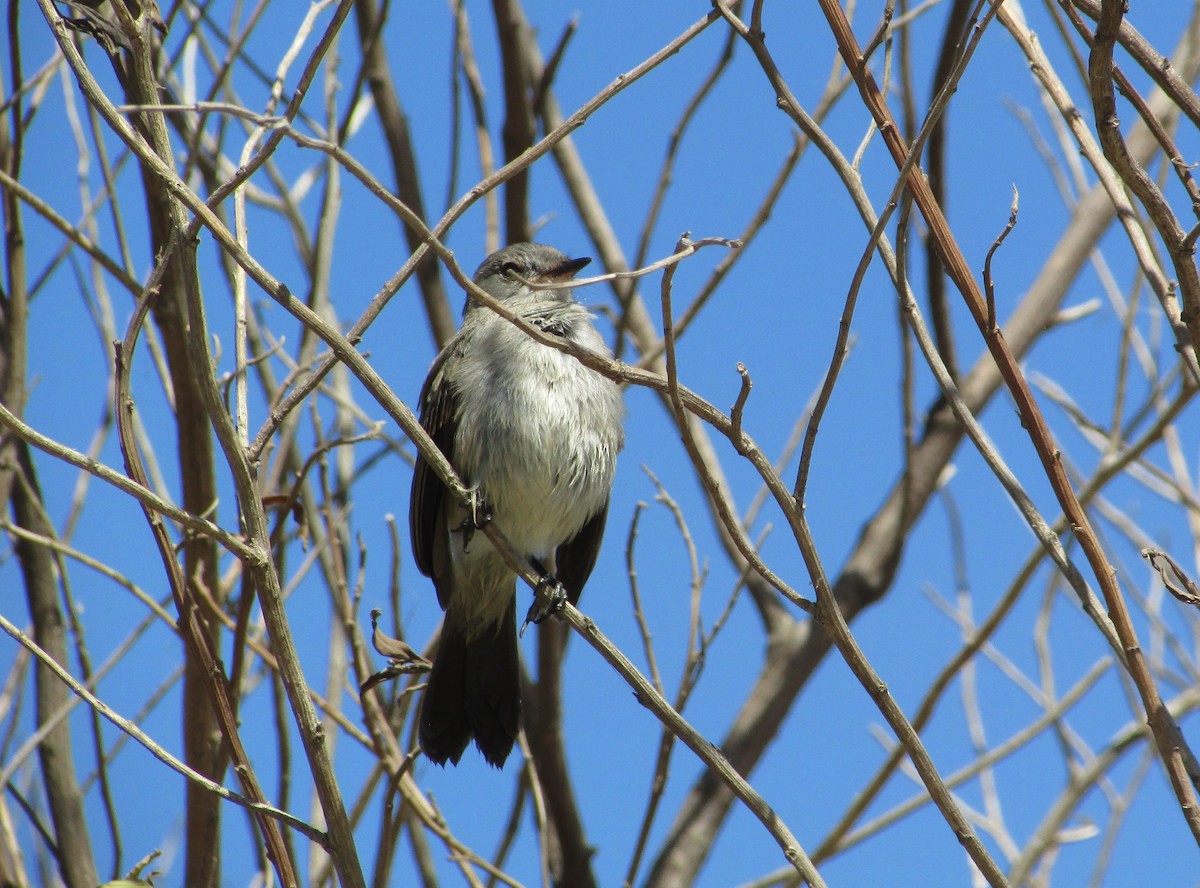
535 435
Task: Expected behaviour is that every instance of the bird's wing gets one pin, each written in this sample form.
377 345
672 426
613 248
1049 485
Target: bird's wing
574 559
427 503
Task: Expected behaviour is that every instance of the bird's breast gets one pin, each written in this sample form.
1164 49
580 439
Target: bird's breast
541 443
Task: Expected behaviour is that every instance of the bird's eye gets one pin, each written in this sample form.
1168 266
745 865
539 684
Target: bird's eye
508 269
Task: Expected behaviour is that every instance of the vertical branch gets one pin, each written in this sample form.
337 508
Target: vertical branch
1180 246
674 141
1173 749
571 864
197 635
196 466
571 860
404 162
19 486
179 296
520 123
73 850
465 53
953 36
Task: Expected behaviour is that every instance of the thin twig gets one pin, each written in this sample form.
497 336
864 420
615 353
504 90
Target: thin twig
153 748
988 286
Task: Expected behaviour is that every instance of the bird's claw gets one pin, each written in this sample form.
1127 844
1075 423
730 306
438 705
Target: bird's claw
479 515
549 597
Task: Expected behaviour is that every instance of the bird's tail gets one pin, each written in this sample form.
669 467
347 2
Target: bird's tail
474 691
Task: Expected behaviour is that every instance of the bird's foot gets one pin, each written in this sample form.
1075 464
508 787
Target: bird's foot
548 599
479 515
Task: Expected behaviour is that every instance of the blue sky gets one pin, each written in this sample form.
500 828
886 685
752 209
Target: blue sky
778 314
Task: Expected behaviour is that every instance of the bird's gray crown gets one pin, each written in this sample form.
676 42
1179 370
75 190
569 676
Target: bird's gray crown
501 273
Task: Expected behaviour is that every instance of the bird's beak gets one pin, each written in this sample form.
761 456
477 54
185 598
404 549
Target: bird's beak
566 270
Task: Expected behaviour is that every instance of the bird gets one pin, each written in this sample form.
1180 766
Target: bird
534 435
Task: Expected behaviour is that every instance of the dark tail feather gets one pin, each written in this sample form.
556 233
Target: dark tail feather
474 691
444 730
493 689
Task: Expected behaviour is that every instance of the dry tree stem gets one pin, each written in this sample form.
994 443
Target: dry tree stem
71 845
829 611
637 322
432 235
148 498
988 284
194 629
1012 17
649 697
1156 65
1108 127
153 748
156 161
871 566
520 122
394 122
838 838
1170 742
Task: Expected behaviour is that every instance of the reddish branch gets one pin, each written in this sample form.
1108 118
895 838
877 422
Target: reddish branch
1171 746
